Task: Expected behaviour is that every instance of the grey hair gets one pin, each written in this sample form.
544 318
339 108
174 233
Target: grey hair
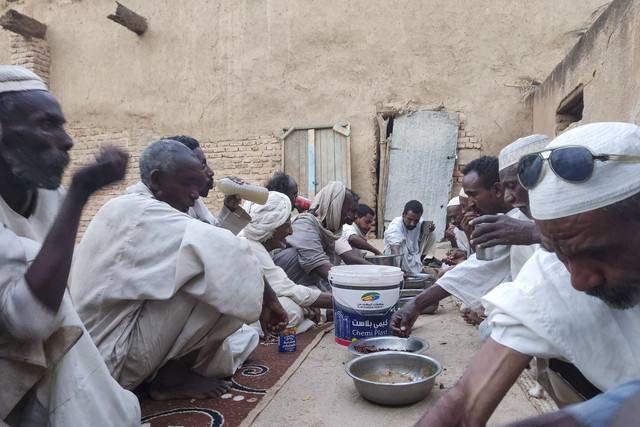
160 155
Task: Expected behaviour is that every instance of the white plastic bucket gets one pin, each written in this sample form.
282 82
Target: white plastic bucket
364 299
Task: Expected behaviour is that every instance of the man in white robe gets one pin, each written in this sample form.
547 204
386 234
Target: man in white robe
412 237
581 303
269 227
231 216
164 295
52 373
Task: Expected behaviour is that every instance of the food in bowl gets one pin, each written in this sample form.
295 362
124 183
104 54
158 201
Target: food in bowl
387 343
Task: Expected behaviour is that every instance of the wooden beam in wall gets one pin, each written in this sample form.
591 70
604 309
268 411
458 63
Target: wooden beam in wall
22 24
129 19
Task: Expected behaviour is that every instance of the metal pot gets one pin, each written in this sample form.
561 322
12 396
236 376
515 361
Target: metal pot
392 260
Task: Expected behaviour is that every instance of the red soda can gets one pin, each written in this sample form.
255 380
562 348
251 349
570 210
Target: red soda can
303 203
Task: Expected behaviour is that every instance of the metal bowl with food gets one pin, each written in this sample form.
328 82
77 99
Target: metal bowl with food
419 281
392 260
406 298
387 343
394 378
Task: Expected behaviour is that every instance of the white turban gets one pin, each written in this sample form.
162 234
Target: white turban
611 182
266 218
454 202
510 154
14 78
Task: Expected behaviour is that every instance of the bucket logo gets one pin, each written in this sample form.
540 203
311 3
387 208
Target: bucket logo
370 296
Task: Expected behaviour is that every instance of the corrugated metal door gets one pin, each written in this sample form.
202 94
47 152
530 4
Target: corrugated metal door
421 162
315 156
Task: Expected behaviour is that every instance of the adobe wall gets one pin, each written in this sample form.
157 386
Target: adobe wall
239 72
606 63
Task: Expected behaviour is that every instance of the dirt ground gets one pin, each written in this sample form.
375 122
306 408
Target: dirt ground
320 393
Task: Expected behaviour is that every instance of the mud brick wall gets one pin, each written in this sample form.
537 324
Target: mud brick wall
32 54
469 149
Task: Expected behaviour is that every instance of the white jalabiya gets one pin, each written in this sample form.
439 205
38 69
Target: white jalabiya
473 279
414 244
461 239
540 314
293 297
75 387
152 284
232 221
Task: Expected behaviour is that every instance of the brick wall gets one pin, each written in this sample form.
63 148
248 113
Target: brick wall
254 159
469 149
32 54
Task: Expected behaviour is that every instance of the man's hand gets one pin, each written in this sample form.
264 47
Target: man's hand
403 319
455 256
465 224
273 317
493 230
110 166
450 235
432 226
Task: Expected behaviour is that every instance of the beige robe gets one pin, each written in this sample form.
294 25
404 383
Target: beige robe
153 284
51 351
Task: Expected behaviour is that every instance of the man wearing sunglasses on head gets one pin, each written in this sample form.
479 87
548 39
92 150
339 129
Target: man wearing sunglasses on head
579 299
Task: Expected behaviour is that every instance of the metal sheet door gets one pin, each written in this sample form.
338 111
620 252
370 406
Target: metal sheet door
421 162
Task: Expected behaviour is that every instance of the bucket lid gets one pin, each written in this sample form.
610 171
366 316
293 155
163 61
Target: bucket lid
366 275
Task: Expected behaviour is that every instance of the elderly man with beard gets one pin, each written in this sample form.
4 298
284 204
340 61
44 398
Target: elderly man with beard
311 247
578 299
231 216
270 225
166 297
52 373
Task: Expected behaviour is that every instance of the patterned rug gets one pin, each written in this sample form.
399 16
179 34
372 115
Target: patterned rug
254 385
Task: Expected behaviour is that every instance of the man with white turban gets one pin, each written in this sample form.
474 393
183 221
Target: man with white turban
51 371
311 248
270 225
577 299
166 296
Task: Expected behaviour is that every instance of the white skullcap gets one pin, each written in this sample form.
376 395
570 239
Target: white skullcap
462 193
266 218
454 202
611 182
14 78
510 154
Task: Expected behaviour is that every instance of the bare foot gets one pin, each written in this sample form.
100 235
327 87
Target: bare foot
470 316
176 381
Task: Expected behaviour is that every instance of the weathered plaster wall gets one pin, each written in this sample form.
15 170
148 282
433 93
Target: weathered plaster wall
606 61
243 70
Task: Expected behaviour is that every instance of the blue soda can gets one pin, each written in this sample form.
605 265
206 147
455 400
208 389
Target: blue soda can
287 340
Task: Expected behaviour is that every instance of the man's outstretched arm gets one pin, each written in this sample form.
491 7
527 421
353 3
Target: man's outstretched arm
490 374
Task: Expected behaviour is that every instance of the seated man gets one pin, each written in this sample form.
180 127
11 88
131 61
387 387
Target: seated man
412 237
142 257
311 248
269 227
460 247
52 373
283 183
581 303
473 278
354 236
231 216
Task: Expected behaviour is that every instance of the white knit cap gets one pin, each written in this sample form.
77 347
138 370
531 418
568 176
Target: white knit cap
454 202
510 154
611 182
266 218
14 78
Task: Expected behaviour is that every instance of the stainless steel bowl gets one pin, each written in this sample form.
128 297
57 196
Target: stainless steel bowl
422 370
390 260
414 345
419 281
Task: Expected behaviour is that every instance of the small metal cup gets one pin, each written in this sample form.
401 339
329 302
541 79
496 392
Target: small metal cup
485 254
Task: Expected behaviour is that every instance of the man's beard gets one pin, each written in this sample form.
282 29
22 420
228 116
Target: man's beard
348 221
30 168
621 296
410 227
